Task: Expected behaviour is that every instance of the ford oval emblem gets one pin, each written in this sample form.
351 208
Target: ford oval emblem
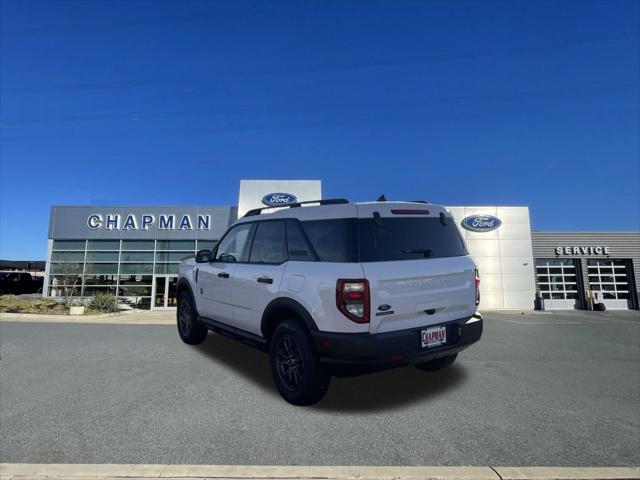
276 199
481 223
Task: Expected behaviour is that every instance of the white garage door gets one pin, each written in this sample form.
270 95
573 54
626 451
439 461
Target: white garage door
609 279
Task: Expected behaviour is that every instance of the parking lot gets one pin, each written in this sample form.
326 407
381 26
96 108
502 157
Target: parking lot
538 389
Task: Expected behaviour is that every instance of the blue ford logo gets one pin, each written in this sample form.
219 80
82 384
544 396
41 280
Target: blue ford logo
275 199
481 223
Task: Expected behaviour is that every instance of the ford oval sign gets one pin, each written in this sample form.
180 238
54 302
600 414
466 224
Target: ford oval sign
277 199
481 223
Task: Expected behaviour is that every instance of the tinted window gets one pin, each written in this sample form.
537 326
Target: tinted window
298 248
232 245
408 239
269 244
333 240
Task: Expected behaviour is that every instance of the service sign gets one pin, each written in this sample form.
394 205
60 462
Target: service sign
279 198
481 223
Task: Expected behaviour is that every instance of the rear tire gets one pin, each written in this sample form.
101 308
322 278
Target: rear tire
437 364
191 331
297 372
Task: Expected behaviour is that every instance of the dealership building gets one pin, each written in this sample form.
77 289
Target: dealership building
134 252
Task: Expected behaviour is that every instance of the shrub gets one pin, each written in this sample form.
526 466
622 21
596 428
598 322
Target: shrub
104 302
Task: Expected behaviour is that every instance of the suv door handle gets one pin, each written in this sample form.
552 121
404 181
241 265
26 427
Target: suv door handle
265 280
223 275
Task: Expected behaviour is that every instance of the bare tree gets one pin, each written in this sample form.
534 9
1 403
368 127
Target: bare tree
69 273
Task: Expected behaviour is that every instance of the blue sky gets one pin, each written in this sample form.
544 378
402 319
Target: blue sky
460 103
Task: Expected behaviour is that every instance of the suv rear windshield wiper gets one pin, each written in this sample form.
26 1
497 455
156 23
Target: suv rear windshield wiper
426 252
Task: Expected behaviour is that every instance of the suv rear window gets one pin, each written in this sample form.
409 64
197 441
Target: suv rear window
394 239
408 239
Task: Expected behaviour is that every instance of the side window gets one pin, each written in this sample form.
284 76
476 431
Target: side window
298 248
333 240
269 243
232 245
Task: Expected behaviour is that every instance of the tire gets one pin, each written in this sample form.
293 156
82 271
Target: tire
437 364
191 331
297 372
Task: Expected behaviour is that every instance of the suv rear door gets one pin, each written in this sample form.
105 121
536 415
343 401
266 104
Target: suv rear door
417 266
255 283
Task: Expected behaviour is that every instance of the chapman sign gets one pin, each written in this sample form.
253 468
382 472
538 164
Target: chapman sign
589 250
481 223
146 221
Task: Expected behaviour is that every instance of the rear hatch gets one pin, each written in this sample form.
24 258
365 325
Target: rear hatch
418 269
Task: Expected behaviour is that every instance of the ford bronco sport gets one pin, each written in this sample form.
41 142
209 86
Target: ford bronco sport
333 287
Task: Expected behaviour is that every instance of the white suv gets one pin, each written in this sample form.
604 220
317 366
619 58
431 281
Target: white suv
336 288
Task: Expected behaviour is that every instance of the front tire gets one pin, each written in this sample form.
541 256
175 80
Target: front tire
191 331
297 372
437 364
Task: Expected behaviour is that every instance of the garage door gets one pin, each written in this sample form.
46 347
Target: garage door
557 283
610 280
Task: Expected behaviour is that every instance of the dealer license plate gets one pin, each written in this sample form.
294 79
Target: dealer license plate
434 337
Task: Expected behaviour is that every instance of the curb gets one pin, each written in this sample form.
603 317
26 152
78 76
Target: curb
127 317
24 471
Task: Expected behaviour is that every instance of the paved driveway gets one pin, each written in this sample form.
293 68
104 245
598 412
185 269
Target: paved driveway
539 389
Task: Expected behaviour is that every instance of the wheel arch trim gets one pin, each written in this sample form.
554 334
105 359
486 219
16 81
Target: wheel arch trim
291 304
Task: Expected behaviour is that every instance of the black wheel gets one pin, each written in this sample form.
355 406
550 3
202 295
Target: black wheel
190 329
299 376
437 364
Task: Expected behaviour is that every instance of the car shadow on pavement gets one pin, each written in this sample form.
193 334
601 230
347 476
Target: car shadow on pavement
383 390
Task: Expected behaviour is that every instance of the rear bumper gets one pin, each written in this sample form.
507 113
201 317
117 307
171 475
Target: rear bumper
394 348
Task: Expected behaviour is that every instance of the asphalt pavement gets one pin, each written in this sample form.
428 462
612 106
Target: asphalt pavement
538 389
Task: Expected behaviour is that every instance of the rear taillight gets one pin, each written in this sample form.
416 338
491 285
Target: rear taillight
477 287
352 299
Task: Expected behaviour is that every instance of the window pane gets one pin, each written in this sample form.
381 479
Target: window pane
136 257
136 268
333 240
544 287
572 295
543 278
129 291
103 245
135 279
557 296
269 243
207 244
173 256
555 270
68 244
65 280
91 291
102 256
66 268
101 268
100 279
546 295
138 244
167 268
67 256
232 245
176 245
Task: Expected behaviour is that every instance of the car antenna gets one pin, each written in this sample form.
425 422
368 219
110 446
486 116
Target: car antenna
381 198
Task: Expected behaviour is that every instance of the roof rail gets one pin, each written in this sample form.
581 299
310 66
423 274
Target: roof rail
419 201
328 201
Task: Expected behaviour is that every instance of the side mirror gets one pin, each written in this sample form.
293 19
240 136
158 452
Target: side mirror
203 256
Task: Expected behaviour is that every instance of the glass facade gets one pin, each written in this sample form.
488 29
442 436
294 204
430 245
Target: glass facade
125 268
